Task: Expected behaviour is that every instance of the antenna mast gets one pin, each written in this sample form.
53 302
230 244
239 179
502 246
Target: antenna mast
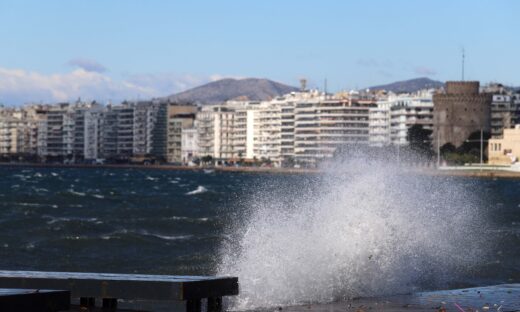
325 86
463 56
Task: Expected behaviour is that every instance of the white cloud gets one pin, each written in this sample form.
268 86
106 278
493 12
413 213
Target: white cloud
20 86
166 83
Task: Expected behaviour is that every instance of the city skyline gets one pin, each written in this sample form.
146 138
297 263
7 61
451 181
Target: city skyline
55 51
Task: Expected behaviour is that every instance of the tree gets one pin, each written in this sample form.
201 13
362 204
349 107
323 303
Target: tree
207 159
288 162
419 140
447 148
472 144
468 151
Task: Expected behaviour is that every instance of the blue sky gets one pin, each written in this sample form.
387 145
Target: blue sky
110 50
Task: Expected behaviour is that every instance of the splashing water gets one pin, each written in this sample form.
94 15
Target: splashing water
371 230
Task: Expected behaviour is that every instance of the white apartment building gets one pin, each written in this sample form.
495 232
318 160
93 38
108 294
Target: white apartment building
92 133
87 130
396 113
189 144
301 127
59 130
287 129
243 130
407 110
379 124
323 126
267 132
215 130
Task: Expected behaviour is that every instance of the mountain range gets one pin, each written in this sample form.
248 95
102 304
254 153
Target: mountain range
252 89
411 85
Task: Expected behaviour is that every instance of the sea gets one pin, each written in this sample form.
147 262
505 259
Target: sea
349 233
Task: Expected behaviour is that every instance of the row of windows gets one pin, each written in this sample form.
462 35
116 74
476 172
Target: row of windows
496 146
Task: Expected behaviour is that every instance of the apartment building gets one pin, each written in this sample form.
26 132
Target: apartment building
117 138
59 130
379 123
324 124
245 114
189 145
408 110
87 127
505 112
215 131
394 114
93 125
12 132
287 129
19 131
180 118
267 132
149 128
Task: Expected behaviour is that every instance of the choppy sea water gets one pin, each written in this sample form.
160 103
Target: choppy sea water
184 222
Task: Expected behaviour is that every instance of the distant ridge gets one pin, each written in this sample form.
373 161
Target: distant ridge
411 85
252 89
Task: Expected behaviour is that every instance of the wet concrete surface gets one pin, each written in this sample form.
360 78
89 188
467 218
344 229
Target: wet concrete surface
500 298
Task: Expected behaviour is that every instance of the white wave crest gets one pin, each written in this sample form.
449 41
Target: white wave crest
199 190
71 191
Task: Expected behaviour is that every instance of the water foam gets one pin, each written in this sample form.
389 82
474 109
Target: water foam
199 190
372 230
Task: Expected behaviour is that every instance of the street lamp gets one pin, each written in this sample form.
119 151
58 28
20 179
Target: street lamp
438 151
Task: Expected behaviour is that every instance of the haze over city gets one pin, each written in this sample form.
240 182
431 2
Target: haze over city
59 51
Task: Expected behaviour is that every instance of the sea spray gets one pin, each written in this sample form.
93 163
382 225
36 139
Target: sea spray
361 229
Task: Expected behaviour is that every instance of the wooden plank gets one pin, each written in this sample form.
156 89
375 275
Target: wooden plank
16 300
212 288
123 286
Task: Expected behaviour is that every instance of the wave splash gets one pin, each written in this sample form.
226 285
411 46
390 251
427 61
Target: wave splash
199 190
371 231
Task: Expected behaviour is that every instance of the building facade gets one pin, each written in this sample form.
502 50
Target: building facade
189 145
410 110
505 112
505 150
460 111
180 117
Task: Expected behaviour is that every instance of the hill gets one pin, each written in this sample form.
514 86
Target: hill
252 89
411 85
